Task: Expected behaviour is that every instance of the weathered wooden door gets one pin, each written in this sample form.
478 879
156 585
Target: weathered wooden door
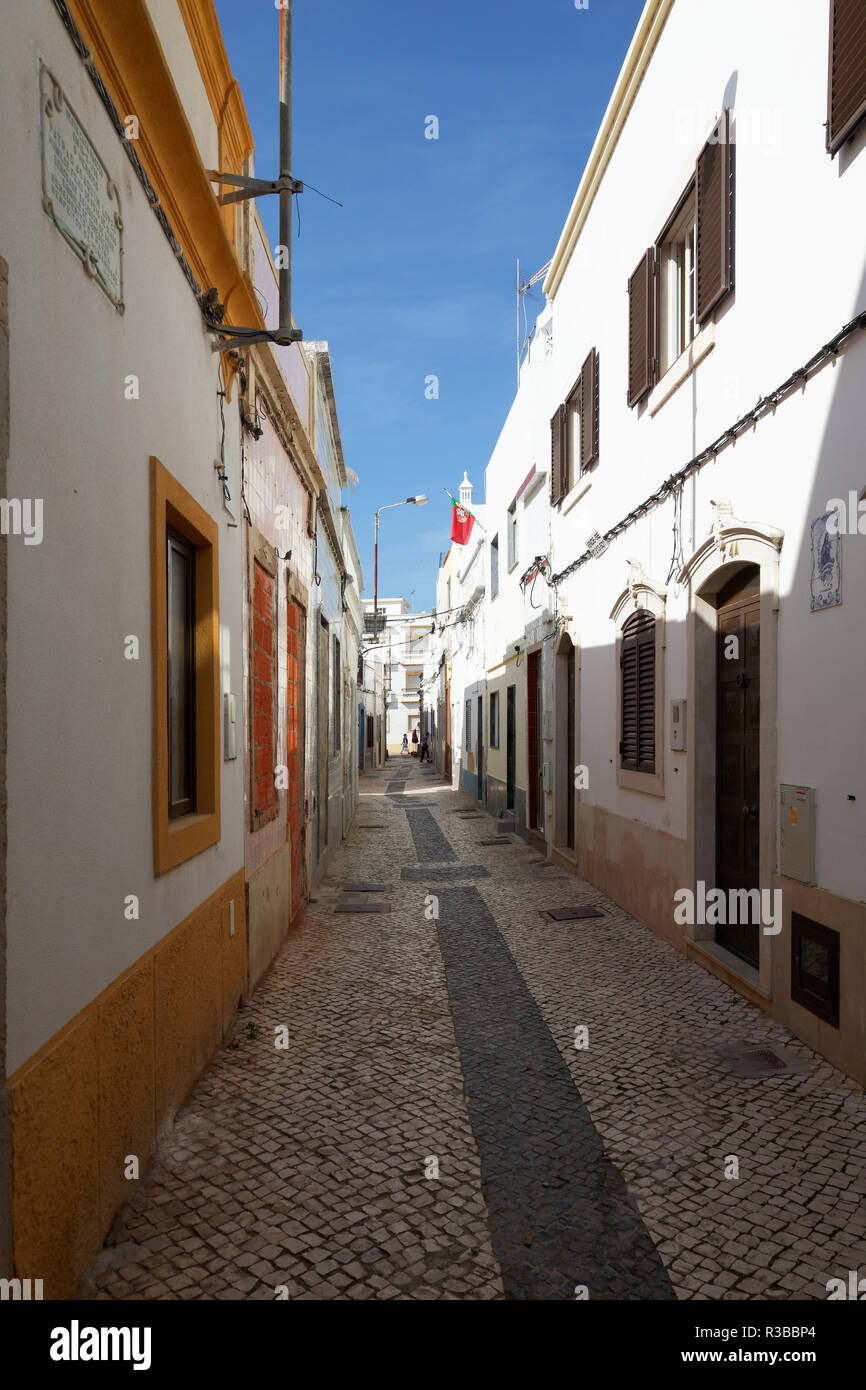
296 622
510 746
738 709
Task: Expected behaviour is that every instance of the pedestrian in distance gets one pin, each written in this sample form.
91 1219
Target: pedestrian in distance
405 746
425 749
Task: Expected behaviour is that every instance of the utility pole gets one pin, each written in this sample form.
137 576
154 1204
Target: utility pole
286 187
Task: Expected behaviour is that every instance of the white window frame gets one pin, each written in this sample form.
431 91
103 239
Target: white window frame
511 536
678 287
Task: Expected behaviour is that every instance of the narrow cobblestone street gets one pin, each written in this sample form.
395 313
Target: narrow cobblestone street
419 1045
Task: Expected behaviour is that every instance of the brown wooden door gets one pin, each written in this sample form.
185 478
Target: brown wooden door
738 759
535 719
295 745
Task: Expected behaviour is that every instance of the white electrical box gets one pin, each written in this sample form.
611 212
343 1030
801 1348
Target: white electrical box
797 820
547 776
230 727
678 725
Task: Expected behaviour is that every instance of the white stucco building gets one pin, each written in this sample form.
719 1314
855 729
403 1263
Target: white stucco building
403 643
674 612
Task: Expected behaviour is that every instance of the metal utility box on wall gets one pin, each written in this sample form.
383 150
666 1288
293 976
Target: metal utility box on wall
678 725
230 727
797 820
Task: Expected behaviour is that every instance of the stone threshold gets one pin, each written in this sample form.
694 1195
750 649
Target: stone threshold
727 967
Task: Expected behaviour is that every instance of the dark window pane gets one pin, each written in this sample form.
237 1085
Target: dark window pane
180 560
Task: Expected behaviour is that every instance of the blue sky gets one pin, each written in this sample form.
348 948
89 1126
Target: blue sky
415 275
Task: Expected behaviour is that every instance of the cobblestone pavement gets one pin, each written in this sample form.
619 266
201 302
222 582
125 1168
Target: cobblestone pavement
454 1046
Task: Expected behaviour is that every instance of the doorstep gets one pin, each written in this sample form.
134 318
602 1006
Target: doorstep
744 978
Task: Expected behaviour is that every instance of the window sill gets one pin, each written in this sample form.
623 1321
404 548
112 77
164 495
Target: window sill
653 783
580 489
682 369
179 840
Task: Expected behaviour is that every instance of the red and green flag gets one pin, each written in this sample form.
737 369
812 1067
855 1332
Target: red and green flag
462 522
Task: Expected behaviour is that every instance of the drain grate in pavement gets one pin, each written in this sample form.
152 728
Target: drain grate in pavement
363 906
571 914
756 1063
500 840
378 825
366 887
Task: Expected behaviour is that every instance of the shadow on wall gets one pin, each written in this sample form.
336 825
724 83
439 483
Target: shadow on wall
756 720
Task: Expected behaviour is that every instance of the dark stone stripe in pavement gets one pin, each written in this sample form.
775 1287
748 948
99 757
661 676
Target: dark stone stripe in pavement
432 873
560 1212
430 843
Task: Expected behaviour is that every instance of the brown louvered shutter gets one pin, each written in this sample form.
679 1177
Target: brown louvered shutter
563 450
641 328
589 411
638 661
714 242
558 455
846 98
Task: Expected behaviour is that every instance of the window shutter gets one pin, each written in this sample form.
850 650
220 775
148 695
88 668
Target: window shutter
638 659
641 328
589 411
846 98
563 450
714 241
628 742
558 456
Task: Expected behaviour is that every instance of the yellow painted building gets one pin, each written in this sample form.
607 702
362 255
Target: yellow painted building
125 934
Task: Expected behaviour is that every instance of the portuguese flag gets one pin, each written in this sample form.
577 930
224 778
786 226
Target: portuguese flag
461 522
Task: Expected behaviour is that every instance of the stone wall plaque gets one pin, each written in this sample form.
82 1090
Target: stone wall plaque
78 193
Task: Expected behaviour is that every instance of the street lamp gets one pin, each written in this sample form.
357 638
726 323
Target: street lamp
409 502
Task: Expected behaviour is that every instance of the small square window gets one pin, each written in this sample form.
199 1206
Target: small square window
815 967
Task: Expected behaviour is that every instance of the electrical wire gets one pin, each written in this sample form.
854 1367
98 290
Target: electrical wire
765 405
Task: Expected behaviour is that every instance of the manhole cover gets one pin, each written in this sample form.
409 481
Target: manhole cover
571 914
366 888
363 907
758 1062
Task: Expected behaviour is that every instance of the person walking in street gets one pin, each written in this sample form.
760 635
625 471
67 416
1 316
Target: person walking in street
425 749
405 746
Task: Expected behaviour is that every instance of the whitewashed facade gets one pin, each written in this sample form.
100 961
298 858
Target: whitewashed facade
711 498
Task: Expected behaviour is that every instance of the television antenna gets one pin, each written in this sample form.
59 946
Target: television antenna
525 287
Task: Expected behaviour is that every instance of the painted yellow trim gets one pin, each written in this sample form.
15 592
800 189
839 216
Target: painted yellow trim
646 36
129 57
107 1083
223 92
171 505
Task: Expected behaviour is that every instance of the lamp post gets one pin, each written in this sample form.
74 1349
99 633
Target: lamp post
418 501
